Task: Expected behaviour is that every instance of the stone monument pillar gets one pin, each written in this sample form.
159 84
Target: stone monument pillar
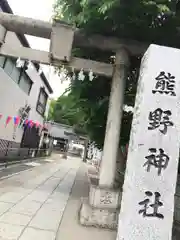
101 209
147 205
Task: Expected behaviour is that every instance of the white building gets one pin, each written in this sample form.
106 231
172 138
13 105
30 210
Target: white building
20 90
61 133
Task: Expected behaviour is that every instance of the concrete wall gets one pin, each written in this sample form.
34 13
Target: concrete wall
12 97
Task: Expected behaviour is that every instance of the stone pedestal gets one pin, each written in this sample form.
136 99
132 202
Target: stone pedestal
101 209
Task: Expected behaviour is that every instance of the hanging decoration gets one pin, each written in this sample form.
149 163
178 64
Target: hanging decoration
49 72
81 75
26 122
16 123
16 120
20 63
29 67
91 76
30 123
37 124
8 120
40 70
128 109
73 75
63 74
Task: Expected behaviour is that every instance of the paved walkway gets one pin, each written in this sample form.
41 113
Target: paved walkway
70 229
41 201
32 202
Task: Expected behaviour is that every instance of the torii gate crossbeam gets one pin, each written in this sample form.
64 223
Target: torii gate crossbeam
43 29
63 38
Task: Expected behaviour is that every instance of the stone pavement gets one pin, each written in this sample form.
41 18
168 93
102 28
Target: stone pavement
32 202
70 229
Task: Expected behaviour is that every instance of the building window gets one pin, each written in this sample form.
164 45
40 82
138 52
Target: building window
2 60
25 83
15 75
11 69
9 65
42 101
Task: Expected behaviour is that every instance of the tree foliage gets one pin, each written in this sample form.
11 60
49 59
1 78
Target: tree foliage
146 20
66 111
143 20
51 110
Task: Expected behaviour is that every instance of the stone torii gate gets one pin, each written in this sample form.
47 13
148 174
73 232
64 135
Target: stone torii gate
101 209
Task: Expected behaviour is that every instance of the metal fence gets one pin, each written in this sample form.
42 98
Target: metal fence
17 154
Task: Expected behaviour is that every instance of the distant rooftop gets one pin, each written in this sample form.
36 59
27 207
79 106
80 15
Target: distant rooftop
59 124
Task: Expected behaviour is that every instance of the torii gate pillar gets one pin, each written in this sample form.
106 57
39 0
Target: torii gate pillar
102 207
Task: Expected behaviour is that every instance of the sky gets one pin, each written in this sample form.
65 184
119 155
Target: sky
43 10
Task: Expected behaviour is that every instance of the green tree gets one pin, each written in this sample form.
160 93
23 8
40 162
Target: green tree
142 20
51 110
66 111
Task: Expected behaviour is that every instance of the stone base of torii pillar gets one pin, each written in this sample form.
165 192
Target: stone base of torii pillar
101 209
97 211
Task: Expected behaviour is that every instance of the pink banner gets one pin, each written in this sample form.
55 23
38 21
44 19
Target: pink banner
8 120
